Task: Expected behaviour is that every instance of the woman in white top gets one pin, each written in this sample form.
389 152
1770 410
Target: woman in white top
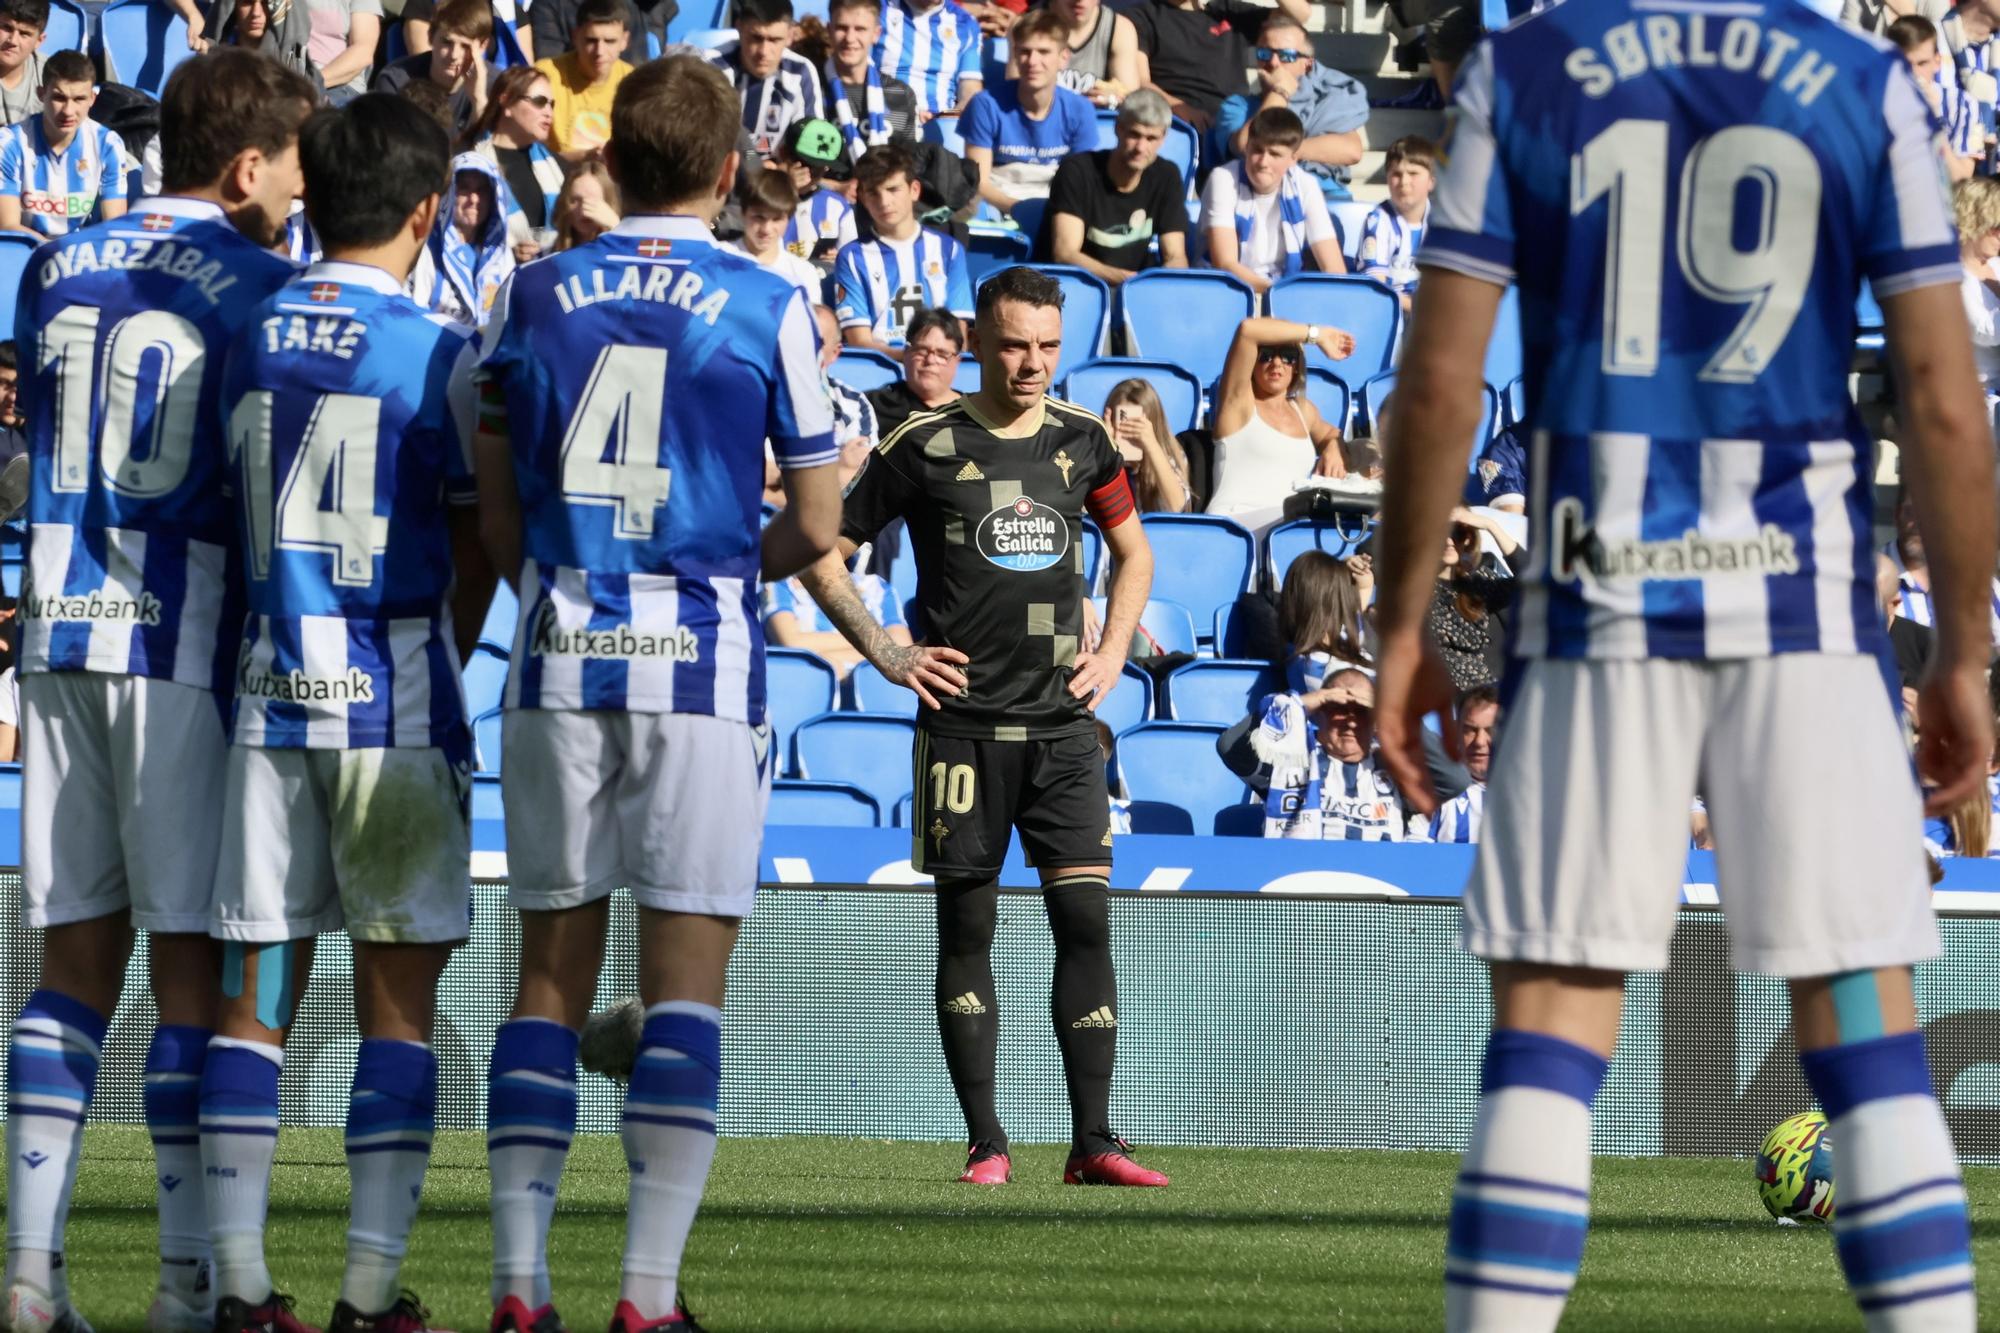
1268 435
1976 204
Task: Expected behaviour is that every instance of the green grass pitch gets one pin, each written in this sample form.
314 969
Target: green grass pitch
825 1234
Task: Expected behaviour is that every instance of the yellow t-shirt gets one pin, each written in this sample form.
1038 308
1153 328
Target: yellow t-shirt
583 109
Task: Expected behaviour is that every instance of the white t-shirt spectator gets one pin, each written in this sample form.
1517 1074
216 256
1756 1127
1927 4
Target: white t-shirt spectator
1263 249
785 264
1982 311
329 33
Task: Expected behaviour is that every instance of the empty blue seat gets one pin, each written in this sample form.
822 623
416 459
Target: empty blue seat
694 17
1240 821
1175 764
11 577
485 681
1288 541
965 376
797 685
1130 704
142 41
1349 216
1503 349
869 691
864 368
67 29
1201 561
1093 554
1184 315
396 42
1514 403
1170 624
1086 315
486 740
16 249
1227 640
1180 393
1375 391
501 615
870 750
1028 215
1221 692
943 131
990 249
827 804
1329 393
1364 307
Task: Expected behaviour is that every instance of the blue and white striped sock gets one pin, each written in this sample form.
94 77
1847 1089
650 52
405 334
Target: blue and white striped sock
173 1117
1521 1212
669 1133
391 1119
530 1119
51 1069
239 1139
1899 1217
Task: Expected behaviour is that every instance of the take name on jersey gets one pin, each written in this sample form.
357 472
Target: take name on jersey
124 327
637 380
350 415
1694 454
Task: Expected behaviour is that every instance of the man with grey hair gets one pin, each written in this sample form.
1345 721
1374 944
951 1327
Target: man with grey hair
1106 208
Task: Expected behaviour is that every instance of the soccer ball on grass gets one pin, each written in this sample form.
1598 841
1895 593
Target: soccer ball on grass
1795 1170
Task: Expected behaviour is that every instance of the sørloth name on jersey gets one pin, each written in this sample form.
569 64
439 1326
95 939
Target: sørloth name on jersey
140 254
1684 41
681 287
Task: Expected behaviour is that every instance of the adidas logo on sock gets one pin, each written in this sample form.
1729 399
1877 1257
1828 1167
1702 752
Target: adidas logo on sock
967 1003
971 472
1100 1017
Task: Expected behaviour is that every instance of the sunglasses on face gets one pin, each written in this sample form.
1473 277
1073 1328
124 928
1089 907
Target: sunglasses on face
1286 354
1285 53
540 101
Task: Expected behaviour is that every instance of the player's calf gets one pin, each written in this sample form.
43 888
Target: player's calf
51 1071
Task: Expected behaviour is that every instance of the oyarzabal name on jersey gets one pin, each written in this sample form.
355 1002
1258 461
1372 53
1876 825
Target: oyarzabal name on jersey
144 609
1579 551
619 642
355 686
642 282
1674 41
140 255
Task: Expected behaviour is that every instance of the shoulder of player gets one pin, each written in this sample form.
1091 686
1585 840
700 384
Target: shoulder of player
920 426
1070 416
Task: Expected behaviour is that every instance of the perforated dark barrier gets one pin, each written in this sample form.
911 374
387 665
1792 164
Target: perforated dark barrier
1251 1020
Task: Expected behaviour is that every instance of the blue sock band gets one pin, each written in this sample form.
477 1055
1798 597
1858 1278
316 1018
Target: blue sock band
696 1036
174 1064
239 1093
393 1107
1843 1077
1519 1059
47 1063
53 1004
1857 1006
678 1076
531 1086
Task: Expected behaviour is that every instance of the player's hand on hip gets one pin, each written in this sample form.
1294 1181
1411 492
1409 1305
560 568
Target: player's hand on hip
928 670
1411 681
1094 676
1955 745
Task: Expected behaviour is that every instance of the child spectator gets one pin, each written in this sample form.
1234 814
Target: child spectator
23 23
1264 214
769 203
779 88
586 78
588 206
1964 137
1153 456
1017 135
61 169
879 285
824 220
1321 613
1394 231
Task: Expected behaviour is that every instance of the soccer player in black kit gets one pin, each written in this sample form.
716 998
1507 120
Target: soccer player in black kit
993 488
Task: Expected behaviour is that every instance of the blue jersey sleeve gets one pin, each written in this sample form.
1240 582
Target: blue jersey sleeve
1472 222
801 421
979 124
854 303
1912 239
13 167
958 280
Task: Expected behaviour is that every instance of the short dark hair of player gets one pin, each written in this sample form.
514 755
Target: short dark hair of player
842 6
757 13
1414 149
1908 32
600 11
368 166
221 105
939 320
1043 23
1020 283
68 67
30 13
673 124
881 162
470 19
1277 127
772 191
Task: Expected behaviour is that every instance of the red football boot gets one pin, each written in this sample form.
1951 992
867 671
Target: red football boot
1112 1167
986 1165
514 1316
407 1315
626 1319
271 1315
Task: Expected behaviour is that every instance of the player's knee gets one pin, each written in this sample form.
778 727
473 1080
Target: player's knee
968 910
1079 908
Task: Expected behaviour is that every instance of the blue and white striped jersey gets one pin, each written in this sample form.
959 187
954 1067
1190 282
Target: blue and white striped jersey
824 222
1964 128
1359 803
1458 820
350 413
880 285
790 597
932 50
60 190
1689 193
1389 246
772 104
123 329
642 374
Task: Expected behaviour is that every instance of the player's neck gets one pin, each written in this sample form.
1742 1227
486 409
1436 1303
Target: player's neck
396 258
1003 418
235 210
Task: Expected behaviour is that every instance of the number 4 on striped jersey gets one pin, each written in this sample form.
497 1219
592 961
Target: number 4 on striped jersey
622 409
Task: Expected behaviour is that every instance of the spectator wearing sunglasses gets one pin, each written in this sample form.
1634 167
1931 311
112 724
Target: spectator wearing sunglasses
1265 217
1332 107
1268 435
514 135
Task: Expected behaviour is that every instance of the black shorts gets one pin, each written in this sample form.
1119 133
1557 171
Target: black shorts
971 794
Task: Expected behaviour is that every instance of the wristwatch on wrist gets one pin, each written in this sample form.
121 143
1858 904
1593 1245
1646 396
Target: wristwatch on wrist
1312 333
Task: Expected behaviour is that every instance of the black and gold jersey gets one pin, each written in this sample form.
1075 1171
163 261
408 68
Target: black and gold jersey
996 523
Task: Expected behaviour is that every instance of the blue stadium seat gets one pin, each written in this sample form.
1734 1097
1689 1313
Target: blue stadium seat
1130 704
1086 316
1503 350
943 131
1514 403
1221 692
864 368
1364 307
1375 391
1288 541
1348 217
1240 821
1328 392
11 575
993 61
396 42
804 9
1174 764
485 678
900 817
15 250
142 42
965 377
68 28
1184 315
10 791
708 39
1868 319
797 685
826 804
867 690
903 569
1028 215
694 17
1200 561
486 740
1180 393
1093 553
1229 633
497 631
870 750
990 249
1170 624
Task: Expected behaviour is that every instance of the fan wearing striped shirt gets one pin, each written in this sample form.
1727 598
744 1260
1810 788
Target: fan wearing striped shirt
61 169
778 86
1478 715
934 47
879 285
1964 136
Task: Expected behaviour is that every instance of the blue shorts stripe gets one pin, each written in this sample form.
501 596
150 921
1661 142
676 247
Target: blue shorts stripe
407 1145
260 1131
45 1112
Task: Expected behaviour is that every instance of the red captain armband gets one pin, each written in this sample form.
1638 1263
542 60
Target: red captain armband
1111 503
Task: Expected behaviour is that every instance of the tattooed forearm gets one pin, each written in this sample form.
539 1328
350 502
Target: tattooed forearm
833 589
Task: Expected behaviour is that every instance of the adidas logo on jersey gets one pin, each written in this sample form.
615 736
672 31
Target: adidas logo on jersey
1100 1017
966 1004
970 472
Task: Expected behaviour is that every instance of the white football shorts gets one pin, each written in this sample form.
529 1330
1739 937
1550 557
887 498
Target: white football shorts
1811 795
121 799
376 840
668 805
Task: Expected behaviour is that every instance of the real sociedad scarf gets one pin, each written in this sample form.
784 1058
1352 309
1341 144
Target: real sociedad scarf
1291 215
474 270
859 141
1287 740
